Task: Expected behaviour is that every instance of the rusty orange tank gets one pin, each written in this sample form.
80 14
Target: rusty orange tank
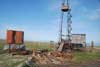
10 37
19 37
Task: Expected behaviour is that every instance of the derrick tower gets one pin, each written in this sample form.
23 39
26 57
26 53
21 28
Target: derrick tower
65 44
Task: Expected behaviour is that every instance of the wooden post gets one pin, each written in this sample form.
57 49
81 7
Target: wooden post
9 47
92 46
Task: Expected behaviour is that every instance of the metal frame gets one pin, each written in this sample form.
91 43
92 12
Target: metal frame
68 34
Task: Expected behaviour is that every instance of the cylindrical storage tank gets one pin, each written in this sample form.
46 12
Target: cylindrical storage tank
10 39
19 37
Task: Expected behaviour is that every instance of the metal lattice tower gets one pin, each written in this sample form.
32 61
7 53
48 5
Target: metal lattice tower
69 27
66 9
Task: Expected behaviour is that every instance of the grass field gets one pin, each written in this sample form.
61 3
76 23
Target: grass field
38 45
7 60
86 56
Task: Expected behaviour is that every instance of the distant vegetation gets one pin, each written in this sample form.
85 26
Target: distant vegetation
32 45
39 45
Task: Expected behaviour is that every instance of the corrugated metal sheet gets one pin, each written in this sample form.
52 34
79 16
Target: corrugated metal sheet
79 38
19 37
10 37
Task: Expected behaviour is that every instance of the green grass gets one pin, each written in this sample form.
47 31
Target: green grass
38 45
11 61
2 43
86 56
30 45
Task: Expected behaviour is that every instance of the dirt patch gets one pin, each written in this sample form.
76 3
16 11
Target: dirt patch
1 62
86 64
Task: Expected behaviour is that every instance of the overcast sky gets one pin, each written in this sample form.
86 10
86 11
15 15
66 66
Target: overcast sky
39 19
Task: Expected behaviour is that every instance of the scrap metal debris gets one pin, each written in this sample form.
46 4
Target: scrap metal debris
45 57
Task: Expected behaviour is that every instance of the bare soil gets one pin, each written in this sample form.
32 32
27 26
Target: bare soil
95 63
